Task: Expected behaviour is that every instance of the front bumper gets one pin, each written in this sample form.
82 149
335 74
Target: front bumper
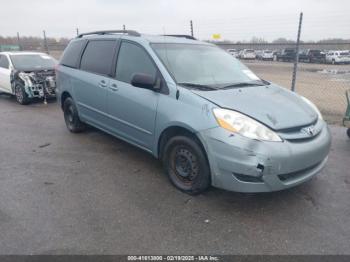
245 165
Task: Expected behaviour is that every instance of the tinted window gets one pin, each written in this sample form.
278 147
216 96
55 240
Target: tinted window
71 54
98 56
133 59
4 62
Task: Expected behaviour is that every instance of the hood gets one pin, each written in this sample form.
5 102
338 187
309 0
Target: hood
271 105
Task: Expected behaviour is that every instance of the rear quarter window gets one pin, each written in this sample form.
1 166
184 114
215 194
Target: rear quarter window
98 56
72 53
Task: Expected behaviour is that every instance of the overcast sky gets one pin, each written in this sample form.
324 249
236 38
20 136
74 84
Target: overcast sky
233 19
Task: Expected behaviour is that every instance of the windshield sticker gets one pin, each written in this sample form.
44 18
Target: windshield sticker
251 75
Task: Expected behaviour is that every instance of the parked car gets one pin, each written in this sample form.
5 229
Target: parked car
312 56
264 55
233 52
27 75
285 55
204 114
247 54
338 57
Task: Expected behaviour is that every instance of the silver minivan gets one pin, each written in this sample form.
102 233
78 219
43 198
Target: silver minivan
205 115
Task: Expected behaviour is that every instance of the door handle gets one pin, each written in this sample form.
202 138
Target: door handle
113 87
102 83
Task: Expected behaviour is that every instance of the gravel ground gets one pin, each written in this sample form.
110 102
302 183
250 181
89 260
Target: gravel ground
63 193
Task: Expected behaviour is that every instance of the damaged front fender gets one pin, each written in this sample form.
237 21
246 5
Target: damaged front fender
37 84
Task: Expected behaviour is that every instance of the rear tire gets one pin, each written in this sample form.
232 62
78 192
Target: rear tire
21 95
186 165
71 117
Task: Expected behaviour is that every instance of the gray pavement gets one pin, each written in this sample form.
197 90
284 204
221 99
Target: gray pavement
90 193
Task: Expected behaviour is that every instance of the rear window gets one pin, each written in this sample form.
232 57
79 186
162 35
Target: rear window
98 57
71 54
249 51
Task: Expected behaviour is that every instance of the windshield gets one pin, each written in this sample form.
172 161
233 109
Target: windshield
32 61
203 65
344 53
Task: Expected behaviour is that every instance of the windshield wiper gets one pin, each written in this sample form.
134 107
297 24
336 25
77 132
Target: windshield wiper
243 84
198 86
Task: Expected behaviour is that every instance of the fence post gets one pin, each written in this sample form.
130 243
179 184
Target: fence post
45 43
191 24
19 42
296 60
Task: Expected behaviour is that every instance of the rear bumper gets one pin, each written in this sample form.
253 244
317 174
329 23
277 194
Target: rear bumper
244 165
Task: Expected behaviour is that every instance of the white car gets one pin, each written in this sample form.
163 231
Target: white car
247 54
233 52
338 57
265 55
27 75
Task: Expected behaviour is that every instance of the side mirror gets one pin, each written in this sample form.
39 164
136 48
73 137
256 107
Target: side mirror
144 81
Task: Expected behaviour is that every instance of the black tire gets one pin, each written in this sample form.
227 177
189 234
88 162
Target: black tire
21 95
71 117
348 132
186 165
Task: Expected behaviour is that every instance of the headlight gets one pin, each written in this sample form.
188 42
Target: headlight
307 101
244 125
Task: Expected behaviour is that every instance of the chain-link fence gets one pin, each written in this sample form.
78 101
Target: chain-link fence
323 69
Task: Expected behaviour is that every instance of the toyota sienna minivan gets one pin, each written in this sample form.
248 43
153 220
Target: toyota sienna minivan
205 115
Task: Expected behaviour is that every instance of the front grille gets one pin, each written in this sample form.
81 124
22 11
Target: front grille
294 175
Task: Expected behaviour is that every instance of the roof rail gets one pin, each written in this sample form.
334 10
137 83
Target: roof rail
105 32
183 36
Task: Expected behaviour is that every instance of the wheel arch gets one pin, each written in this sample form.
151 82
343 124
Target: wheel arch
175 130
64 96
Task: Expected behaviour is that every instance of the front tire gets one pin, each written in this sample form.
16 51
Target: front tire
21 95
71 117
186 165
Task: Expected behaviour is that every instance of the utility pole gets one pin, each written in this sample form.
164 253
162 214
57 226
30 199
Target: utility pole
19 42
45 43
191 24
296 60
124 28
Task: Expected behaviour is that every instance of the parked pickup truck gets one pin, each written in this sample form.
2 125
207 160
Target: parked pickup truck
285 55
312 56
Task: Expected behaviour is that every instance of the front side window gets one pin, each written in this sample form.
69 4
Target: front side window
133 59
202 64
98 57
4 62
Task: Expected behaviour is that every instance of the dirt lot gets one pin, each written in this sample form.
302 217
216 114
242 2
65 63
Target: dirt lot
62 193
